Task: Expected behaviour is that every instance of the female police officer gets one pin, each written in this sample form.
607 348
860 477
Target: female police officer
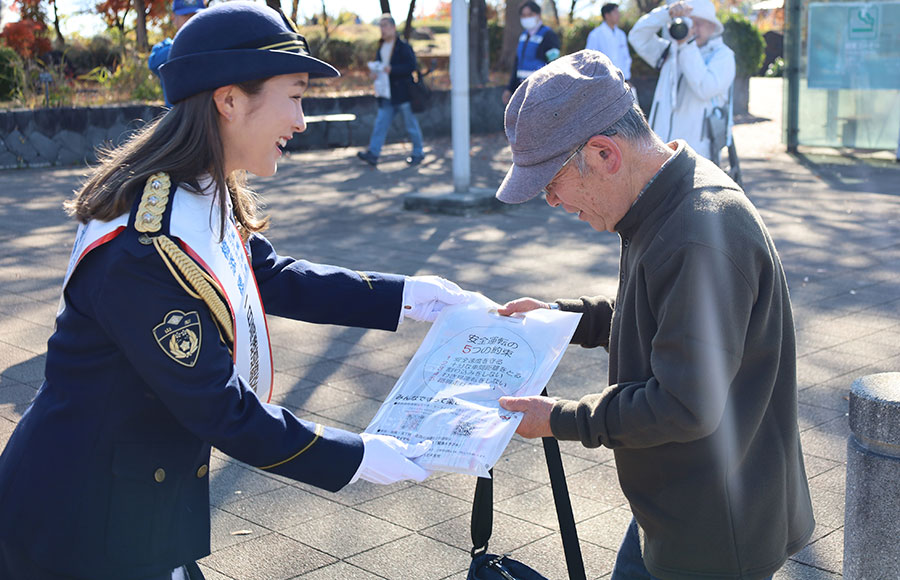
161 348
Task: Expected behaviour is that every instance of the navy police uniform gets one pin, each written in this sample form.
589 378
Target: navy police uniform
106 475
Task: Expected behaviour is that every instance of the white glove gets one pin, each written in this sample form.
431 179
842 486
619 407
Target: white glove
425 296
386 459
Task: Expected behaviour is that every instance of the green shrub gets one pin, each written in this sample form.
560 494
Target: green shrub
337 52
58 93
363 51
574 37
10 72
746 41
133 78
81 57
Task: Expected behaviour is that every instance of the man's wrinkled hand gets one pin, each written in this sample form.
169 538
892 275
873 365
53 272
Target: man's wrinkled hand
521 305
536 422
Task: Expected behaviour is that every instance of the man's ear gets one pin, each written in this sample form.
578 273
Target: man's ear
225 100
605 152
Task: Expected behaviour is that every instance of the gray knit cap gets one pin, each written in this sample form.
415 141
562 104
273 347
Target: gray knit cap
555 110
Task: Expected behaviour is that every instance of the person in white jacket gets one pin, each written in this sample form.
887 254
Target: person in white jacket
609 39
695 73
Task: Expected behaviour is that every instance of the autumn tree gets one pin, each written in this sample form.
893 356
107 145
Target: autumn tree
28 36
115 14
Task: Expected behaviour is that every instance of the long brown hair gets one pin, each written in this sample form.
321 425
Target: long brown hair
184 142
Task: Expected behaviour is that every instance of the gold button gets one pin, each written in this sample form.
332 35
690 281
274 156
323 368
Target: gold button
204 469
159 475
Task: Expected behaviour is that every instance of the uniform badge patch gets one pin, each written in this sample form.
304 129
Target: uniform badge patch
179 336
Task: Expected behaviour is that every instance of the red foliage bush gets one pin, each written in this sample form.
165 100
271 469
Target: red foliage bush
27 37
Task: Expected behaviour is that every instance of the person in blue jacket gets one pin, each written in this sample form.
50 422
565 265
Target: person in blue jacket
538 45
182 10
161 347
392 71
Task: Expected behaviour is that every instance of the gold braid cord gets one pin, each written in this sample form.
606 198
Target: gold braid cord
199 280
202 286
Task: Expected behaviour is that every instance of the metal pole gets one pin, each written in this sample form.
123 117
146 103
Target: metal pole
459 95
793 55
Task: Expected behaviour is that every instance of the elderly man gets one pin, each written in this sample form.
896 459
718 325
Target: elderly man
701 407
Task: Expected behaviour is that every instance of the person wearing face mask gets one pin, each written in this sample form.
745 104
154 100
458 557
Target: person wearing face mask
161 348
538 45
695 72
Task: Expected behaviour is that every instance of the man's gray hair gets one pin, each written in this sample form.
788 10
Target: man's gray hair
633 127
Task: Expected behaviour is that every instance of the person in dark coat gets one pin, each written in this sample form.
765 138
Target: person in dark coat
700 407
161 348
392 72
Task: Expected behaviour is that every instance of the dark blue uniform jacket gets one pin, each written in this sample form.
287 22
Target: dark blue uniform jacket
106 475
403 63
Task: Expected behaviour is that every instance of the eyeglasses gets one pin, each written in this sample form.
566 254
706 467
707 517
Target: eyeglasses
607 133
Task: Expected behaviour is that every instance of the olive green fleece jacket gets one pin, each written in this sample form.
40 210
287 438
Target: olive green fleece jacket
701 410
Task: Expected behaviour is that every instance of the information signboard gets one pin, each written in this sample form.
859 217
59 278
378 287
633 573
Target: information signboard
854 45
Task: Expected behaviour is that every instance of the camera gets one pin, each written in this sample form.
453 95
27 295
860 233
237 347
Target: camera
679 27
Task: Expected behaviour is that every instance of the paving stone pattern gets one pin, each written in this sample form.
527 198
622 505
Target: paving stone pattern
835 220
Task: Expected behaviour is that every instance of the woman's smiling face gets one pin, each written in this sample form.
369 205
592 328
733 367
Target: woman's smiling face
262 124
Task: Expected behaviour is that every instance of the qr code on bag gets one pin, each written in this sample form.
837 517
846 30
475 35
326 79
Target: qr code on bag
464 428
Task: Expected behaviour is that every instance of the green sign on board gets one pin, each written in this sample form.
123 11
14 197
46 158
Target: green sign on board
854 45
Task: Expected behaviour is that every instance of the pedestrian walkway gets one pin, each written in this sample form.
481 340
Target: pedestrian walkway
835 220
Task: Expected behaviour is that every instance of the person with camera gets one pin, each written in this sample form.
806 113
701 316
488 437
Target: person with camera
696 70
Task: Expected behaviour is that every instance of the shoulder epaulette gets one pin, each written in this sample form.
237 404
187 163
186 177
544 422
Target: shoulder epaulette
196 282
153 203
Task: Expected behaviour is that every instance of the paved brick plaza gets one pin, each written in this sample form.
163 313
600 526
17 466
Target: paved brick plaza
835 220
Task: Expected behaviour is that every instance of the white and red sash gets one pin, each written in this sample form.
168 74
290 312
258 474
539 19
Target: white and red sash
195 223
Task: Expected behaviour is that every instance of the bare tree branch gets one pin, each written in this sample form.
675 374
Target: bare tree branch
407 32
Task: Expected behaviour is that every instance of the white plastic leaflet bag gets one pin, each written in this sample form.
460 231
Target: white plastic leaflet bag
450 390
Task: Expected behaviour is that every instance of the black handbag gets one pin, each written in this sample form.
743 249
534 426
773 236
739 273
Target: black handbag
419 93
487 566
